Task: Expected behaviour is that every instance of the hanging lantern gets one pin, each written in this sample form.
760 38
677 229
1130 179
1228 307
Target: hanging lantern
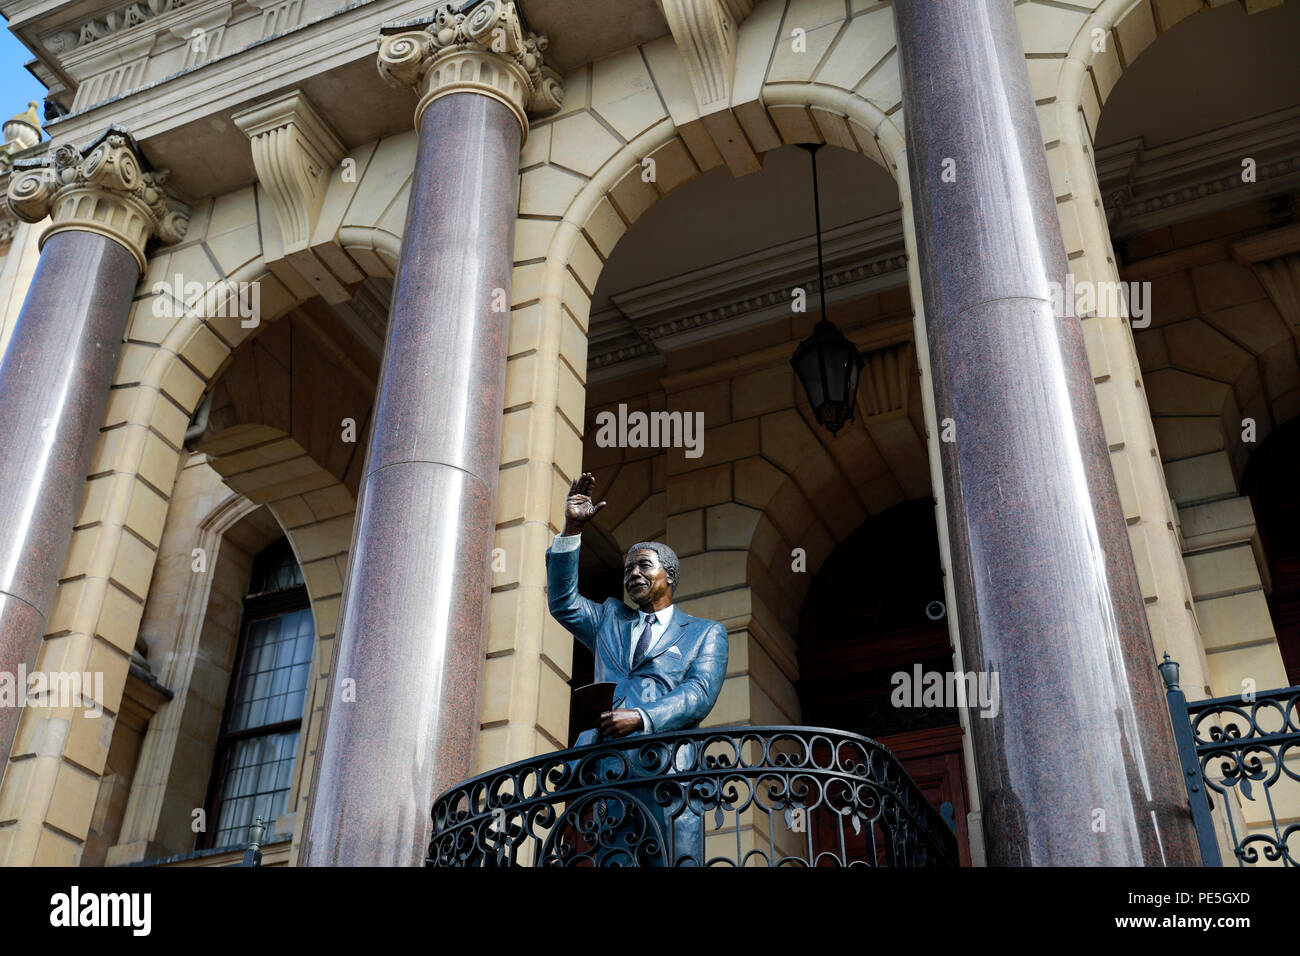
826 362
828 365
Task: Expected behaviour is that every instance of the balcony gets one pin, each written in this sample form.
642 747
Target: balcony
1241 763
735 796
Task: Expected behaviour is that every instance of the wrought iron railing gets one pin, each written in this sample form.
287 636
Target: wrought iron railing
737 796
1244 748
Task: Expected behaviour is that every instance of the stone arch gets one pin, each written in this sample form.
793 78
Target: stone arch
195 641
316 512
582 187
1222 354
1073 76
1204 380
1128 27
171 355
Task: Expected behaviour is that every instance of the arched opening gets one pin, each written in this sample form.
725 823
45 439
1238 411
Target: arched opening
1202 212
692 315
871 630
1158 100
1270 482
257 745
273 453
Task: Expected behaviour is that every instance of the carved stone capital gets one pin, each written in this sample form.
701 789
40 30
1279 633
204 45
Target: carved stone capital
103 188
477 49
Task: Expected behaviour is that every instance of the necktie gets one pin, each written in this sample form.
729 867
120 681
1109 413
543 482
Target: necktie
643 643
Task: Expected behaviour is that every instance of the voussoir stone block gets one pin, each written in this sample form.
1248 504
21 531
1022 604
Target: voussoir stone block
730 525
604 227
757 480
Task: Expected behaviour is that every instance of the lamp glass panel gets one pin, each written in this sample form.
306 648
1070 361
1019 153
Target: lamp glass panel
808 368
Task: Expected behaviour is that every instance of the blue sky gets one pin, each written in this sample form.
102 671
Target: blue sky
17 84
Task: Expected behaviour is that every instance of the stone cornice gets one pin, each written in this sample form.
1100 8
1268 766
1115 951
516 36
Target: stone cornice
187 112
646 323
478 46
878 336
1146 188
118 20
106 187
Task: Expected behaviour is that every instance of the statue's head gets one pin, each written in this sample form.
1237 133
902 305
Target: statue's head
650 574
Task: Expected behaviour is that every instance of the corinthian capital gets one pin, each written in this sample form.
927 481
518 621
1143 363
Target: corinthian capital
472 47
103 188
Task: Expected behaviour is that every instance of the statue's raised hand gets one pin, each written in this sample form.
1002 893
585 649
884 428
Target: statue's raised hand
578 510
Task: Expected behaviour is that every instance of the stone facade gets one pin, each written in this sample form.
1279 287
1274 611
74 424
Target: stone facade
312 211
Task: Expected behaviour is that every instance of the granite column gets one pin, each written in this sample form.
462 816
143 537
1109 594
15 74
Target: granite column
1076 762
59 365
401 722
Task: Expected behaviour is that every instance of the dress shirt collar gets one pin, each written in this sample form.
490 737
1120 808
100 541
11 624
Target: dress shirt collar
662 617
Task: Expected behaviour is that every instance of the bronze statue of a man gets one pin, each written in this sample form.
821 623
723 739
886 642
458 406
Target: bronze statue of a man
667 666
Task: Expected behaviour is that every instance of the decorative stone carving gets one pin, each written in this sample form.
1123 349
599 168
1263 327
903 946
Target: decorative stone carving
705 33
123 18
1147 188
8 228
22 131
103 188
483 50
739 9
294 153
884 382
202 33
278 15
1275 258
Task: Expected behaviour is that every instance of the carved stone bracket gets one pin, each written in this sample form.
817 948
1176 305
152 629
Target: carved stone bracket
1275 258
705 33
103 188
295 152
885 381
481 49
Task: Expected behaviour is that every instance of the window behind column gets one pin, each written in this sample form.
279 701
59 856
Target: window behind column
263 714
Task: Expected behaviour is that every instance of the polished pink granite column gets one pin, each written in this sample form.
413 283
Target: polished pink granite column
413 622
54 384
1079 766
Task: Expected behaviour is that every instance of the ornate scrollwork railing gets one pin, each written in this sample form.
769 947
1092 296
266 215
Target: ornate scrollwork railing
1247 750
739 796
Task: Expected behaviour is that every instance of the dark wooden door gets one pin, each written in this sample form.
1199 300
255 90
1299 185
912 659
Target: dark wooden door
871 613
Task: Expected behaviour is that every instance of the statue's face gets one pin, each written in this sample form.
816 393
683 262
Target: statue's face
648 582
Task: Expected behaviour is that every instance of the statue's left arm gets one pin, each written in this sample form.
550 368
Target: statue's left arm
691 700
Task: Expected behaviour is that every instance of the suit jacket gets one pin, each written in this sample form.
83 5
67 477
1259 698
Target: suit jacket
676 684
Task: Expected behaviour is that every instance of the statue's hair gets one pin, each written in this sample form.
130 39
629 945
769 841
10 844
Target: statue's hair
667 557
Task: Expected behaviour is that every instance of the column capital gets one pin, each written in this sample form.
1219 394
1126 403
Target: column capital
105 188
483 48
